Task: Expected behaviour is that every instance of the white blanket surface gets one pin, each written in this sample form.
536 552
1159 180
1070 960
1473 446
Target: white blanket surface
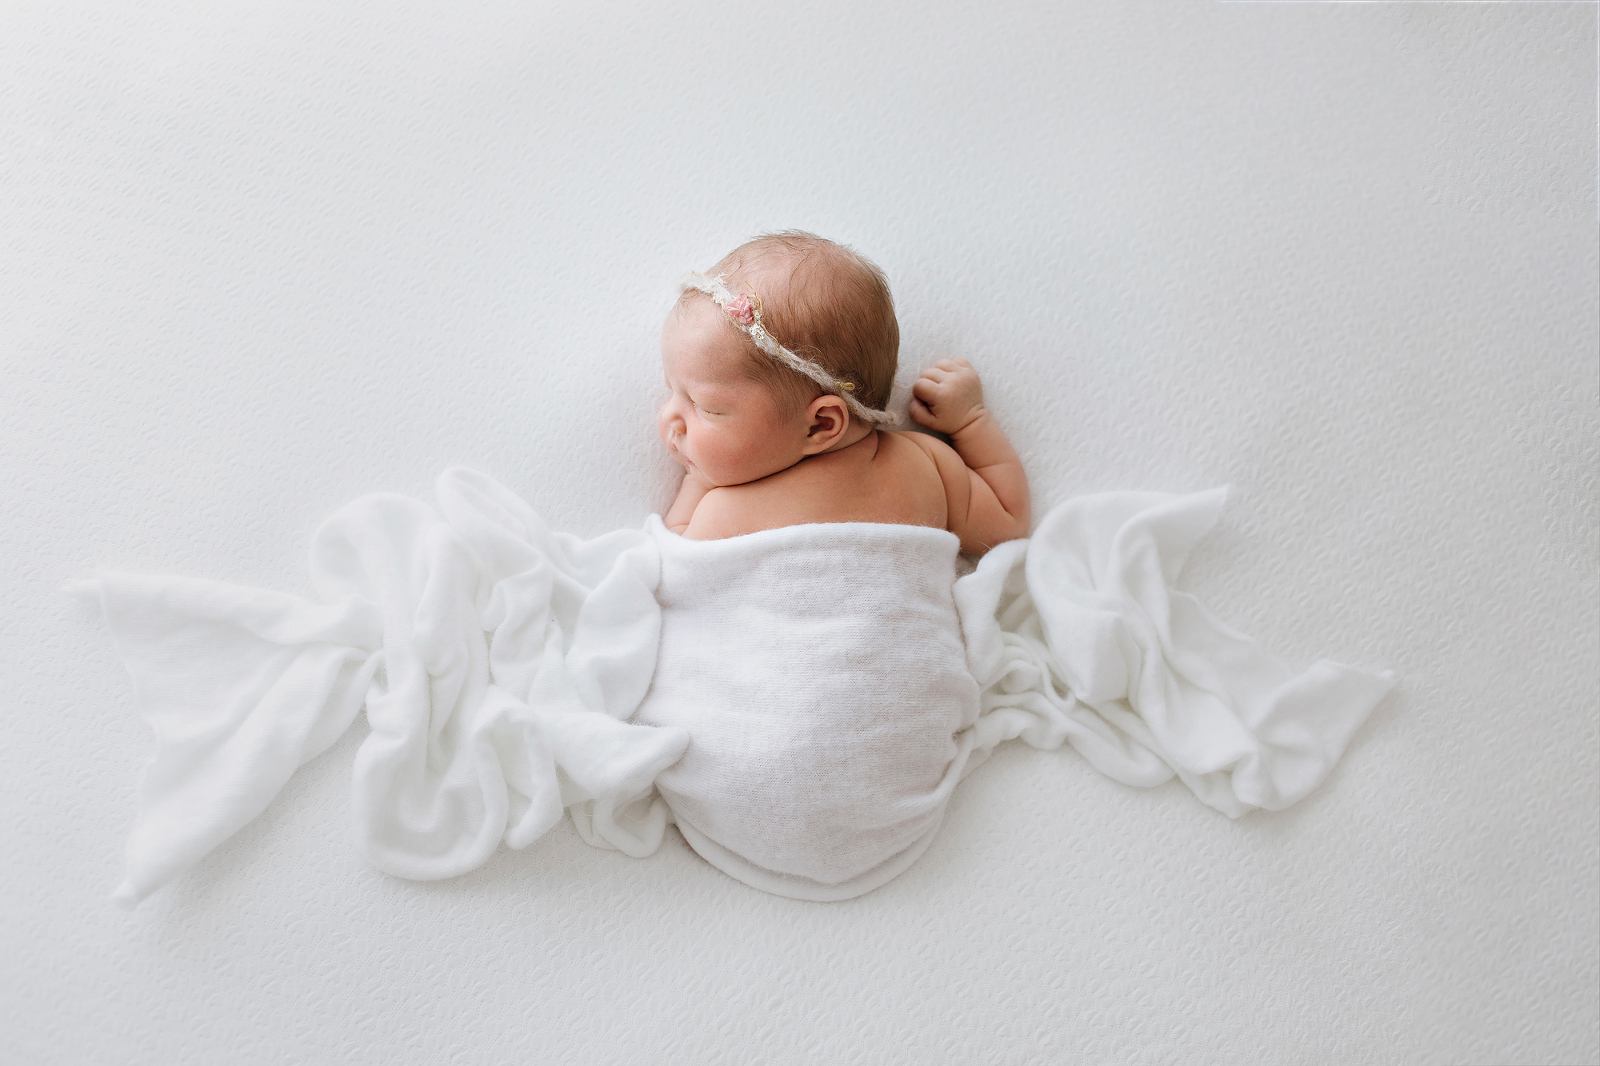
820 675
803 699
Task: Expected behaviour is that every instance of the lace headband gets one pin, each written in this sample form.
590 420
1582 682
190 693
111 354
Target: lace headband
744 311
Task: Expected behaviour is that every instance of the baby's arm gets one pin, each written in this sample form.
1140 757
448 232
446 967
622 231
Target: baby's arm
985 487
690 493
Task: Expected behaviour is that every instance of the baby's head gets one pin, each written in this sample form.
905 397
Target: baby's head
737 412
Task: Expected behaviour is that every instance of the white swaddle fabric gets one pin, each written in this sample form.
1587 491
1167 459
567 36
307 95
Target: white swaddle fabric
498 663
831 689
1078 634
820 674
806 697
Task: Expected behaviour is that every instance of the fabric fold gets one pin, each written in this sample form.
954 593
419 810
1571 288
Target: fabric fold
241 687
1080 629
510 673
497 662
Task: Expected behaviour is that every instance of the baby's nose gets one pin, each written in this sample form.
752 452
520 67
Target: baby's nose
668 421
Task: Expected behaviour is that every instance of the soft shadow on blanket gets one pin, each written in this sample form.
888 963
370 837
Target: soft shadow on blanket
801 702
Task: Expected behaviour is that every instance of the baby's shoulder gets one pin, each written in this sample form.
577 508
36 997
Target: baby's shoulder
943 469
931 453
908 470
727 511
898 481
905 456
924 443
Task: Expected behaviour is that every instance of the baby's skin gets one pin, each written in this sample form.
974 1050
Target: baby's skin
748 466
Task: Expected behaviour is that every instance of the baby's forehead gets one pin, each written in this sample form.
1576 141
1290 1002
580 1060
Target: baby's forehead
698 343
696 321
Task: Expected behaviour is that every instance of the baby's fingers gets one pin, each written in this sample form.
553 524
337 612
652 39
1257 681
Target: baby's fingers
919 412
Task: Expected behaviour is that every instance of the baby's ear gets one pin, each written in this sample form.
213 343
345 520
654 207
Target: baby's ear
827 418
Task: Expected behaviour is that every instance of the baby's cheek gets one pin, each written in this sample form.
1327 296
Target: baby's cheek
721 460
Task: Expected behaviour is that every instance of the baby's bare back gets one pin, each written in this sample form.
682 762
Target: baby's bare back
885 477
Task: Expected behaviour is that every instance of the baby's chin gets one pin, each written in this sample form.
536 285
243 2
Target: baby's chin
694 472
724 477
709 481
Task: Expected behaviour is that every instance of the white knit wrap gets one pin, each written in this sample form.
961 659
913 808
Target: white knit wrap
712 286
803 698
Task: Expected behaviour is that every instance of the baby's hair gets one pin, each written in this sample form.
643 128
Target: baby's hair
822 301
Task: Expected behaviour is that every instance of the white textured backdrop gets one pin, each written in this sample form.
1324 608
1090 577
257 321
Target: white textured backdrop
259 258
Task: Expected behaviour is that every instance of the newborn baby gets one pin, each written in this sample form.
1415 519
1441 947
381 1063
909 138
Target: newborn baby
818 670
786 432
788 663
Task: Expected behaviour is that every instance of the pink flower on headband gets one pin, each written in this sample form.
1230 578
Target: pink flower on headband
740 309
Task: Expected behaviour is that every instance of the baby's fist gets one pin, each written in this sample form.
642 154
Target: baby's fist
947 397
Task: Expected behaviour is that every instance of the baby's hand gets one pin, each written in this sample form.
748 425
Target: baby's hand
947 397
